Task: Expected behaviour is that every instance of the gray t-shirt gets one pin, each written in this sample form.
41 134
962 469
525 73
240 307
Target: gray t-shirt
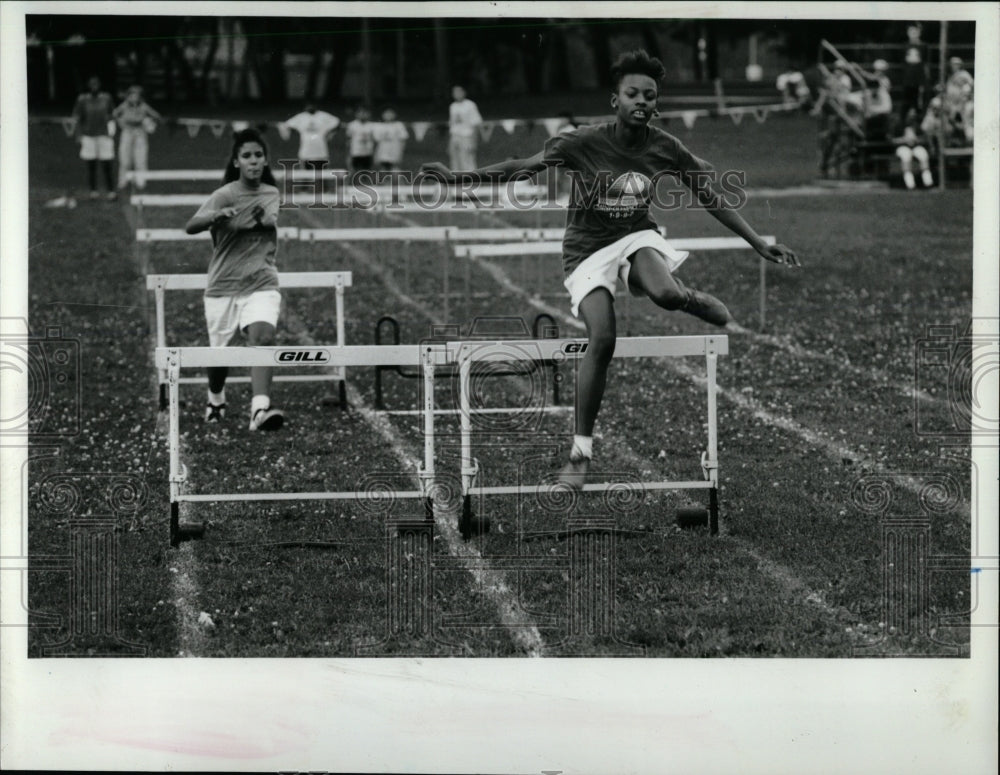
245 248
612 185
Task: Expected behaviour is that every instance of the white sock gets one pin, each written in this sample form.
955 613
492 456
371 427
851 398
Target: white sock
927 178
583 446
217 398
258 403
908 179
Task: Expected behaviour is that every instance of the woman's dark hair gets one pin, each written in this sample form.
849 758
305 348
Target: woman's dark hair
239 138
638 62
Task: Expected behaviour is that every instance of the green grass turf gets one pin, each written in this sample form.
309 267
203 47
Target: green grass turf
797 571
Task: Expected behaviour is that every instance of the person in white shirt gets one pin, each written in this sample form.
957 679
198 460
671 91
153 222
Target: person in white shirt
463 123
314 128
360 142
390 138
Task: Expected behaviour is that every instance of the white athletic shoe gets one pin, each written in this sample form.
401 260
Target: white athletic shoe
574 473
269 419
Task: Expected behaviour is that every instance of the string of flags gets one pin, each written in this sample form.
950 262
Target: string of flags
420 129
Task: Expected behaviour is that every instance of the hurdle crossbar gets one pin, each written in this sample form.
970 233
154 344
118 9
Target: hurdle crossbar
551 247
466 354
179 235
160 283
215 175
173 359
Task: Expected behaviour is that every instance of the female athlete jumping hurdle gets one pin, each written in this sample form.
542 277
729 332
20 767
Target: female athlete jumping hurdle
609 232
242 290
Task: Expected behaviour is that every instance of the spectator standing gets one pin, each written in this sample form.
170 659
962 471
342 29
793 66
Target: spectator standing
390 138
314 128
463 126
360 142
914 73
137 121
92 130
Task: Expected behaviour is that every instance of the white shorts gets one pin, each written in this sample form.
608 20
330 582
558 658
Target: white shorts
604 268
225 314
907 154
102 148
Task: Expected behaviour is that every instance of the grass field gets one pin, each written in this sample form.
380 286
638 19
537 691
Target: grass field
809 408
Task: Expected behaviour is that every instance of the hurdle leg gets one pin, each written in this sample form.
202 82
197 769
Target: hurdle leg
341 341
468 524
161 341
427 474
177 473
711 361
447 290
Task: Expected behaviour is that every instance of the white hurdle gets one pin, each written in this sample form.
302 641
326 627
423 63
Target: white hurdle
172 360
160 283
427 357
527 249
467 353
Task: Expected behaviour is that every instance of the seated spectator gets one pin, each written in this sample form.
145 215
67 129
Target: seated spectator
794 89
958 97
912 146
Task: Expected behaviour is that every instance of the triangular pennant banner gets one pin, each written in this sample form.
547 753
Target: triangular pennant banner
736 114
689 117
68 125
217 127
420 130
193 128
529 124
486 130
508 125
760 114
552 125
283 130
239 126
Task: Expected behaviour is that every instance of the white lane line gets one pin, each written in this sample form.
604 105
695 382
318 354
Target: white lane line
493 582
784 576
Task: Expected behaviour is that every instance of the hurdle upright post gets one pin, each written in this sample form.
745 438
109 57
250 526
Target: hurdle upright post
427 473
161 340
174 444
468 469
712 463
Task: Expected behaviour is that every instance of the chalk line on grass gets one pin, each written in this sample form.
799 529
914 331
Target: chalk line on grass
782 575
523 630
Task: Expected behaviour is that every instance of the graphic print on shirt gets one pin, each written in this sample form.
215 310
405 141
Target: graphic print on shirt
629 192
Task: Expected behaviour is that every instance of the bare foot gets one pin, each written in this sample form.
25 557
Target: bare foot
574 473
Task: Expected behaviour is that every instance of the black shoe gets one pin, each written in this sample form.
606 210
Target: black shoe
215 412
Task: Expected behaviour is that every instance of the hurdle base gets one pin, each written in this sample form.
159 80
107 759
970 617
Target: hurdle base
339 400
180 532
692 517
469 524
